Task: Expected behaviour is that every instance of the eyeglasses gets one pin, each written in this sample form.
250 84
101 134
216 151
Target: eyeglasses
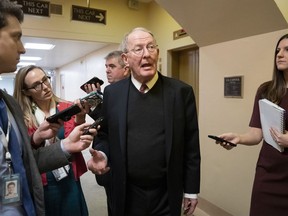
139 50
39 85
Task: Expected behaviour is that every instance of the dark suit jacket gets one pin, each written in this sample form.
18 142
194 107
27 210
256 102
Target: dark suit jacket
181 140
35 161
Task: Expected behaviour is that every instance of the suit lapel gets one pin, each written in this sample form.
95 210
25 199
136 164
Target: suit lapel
169 98
123 110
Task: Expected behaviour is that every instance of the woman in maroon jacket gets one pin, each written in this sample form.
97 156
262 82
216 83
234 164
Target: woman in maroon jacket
270 189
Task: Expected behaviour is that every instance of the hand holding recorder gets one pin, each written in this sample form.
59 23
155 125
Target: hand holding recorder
91 85
94 125
66 114
222 141
77 141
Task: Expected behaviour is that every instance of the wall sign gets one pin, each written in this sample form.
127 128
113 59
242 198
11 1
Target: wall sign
88 14
233 86
179 34
37 8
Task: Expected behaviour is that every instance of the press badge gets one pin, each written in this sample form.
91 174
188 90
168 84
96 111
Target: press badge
61 172
11 189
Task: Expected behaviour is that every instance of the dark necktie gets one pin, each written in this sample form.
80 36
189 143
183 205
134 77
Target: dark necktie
143 88
17 161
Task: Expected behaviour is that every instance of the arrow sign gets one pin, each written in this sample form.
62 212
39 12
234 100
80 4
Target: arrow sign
100 17
85 14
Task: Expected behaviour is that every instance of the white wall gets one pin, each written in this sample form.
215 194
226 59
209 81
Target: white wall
81 70
7 83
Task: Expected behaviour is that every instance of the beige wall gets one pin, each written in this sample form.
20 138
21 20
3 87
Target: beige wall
283 5
227 176
163 26
119 19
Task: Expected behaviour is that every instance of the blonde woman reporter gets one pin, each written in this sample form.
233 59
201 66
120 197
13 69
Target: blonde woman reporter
62 188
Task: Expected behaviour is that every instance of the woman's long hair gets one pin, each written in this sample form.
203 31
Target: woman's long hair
26 102
275 89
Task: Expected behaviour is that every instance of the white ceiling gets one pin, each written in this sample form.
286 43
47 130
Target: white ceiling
65 51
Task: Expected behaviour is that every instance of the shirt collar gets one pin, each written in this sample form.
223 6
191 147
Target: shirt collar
149 84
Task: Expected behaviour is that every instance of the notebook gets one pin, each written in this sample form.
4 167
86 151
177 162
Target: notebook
271 115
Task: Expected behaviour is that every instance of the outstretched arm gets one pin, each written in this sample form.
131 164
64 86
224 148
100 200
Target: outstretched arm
252 137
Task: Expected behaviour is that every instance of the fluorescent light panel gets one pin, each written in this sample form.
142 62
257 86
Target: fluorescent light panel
30 58
39 46
25 63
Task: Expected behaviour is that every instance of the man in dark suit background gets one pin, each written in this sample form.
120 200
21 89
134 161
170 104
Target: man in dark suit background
152 141
16 154
116 70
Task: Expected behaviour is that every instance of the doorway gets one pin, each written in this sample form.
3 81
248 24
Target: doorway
185 67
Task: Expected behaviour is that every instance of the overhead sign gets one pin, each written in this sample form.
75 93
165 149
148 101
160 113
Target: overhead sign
37 8
88 14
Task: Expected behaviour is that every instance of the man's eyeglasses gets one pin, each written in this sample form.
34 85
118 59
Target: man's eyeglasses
140 50
39 86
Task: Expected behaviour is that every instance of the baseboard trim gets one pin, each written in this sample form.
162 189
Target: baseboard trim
206 208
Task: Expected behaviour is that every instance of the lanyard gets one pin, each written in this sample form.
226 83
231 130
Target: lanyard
5 141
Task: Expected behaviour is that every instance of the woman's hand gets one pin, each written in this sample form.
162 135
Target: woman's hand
281 139
231 137
45 131
84 106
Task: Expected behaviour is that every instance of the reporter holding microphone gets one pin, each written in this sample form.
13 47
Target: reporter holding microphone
34 93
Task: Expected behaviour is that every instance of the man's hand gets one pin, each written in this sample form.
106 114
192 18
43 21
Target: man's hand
189 206
76 141
98 163
92 87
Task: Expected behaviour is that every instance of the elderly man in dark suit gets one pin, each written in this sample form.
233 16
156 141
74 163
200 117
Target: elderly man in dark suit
152 142
17 159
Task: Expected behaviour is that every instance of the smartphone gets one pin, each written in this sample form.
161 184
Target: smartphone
94 125
94 80
93 99
65 114
221 140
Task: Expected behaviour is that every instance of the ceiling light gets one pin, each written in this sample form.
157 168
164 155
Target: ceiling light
30 58
39 46
25 63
